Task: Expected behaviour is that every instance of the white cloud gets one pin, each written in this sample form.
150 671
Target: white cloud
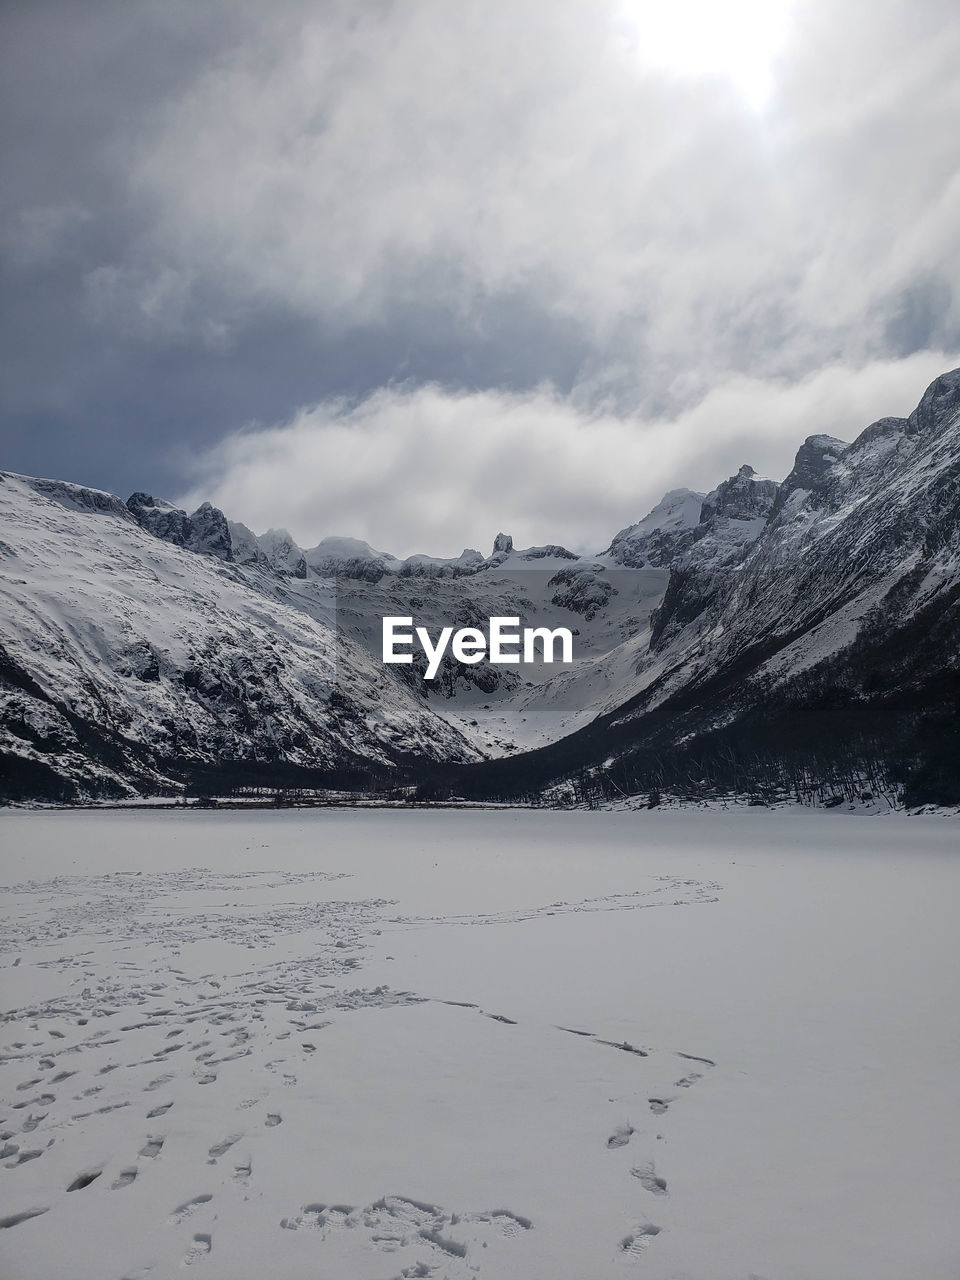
346 162
489 194
424 469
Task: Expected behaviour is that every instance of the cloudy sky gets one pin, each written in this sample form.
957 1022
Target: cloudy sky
418 270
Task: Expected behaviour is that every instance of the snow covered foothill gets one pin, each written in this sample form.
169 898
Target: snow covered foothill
517 1045
175 655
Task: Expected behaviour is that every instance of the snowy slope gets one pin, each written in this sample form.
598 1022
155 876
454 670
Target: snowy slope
126 657
662 535
848 527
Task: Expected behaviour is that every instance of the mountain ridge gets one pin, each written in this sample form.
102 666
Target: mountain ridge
182 650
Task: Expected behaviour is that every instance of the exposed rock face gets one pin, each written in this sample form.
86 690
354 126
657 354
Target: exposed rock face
206 531
549 551
743 497
732 517
502 543
581 591
76 497
209 532
813 465
359 568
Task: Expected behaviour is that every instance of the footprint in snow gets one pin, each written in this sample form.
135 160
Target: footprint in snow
199 1249
41 1100
187 1209
635 1244
625 1047
649 1181
222 1147
686 1081
620 1136
24 1215
24 1158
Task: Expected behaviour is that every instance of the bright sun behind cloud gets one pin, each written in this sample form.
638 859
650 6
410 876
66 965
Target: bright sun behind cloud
736 40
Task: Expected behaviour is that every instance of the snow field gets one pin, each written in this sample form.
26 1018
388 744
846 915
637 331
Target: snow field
362 1045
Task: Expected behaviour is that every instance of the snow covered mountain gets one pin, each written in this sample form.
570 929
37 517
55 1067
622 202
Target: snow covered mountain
808 638
766 638
135 653
660 537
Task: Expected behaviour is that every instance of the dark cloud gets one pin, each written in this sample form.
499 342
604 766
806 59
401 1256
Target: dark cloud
218 215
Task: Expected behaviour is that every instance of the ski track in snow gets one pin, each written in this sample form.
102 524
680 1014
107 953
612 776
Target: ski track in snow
671 891
138 1030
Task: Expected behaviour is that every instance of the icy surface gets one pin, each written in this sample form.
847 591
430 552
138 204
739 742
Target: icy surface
548 1046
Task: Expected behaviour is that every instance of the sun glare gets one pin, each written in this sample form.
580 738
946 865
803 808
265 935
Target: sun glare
738 40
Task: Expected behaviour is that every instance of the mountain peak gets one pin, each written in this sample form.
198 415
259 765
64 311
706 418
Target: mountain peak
662 534
205 531
813 463
938 405
745 496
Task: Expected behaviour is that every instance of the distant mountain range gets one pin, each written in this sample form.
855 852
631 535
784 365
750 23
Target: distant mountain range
766 640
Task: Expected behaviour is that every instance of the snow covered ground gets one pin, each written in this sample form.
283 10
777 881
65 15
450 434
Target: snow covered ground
361 1045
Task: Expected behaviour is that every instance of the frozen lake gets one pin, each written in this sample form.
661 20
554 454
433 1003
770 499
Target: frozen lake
360 1045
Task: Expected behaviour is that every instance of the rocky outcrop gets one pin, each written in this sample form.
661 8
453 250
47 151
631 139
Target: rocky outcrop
581 591
744 496
76 497
206 531
732 518
811 469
